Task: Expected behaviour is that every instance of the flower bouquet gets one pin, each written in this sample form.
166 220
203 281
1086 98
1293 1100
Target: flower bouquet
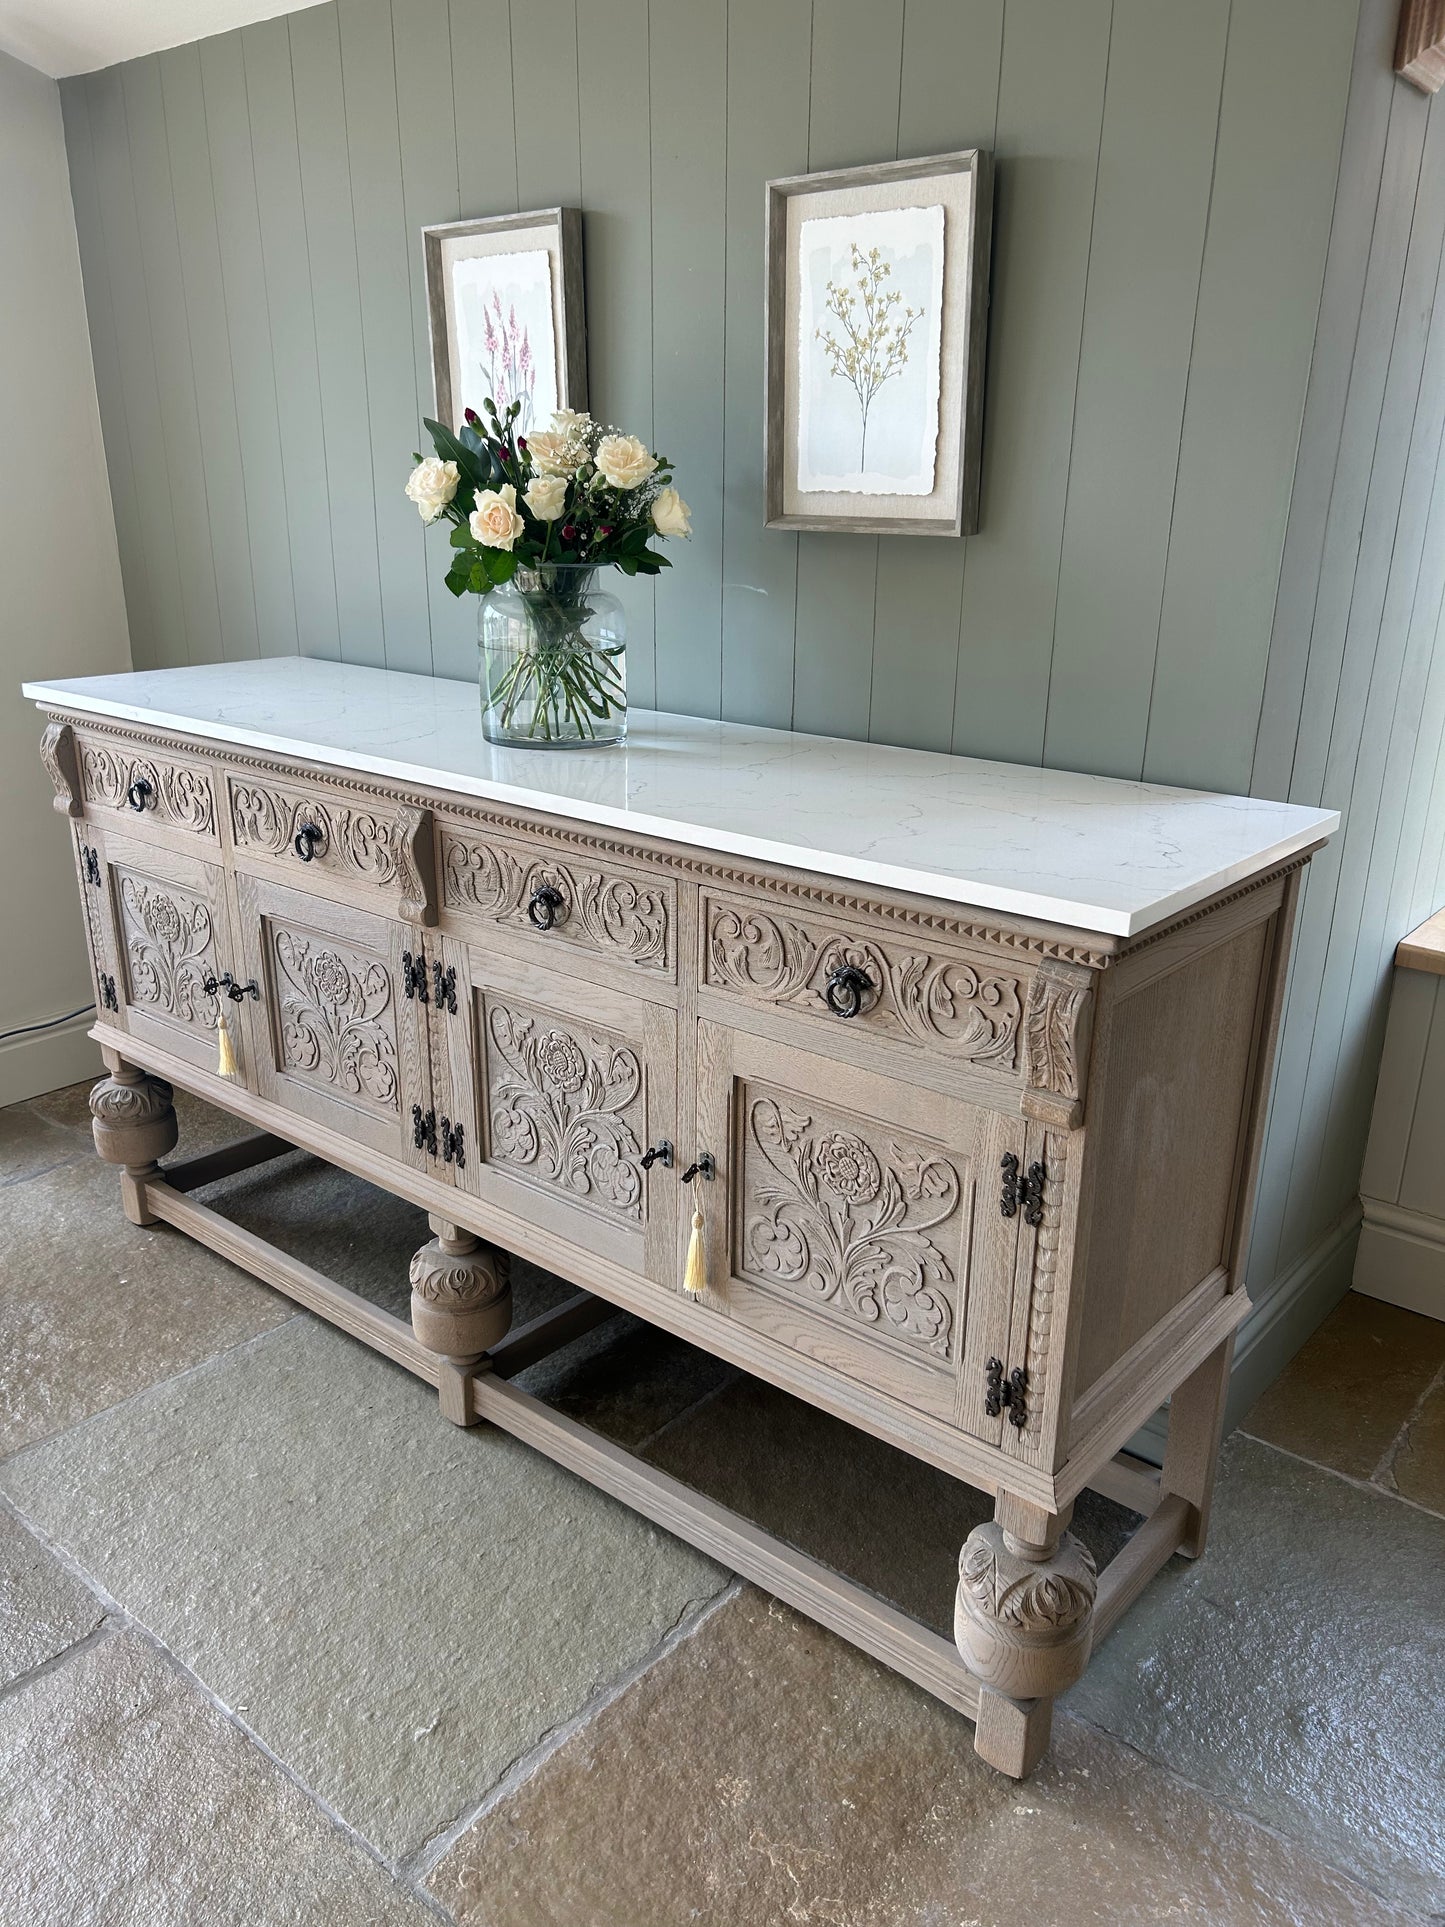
533 521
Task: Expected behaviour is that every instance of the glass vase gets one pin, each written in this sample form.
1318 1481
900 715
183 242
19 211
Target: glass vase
554 662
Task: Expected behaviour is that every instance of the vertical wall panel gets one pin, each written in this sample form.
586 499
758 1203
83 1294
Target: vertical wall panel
769 48
326 194
135 356
1050 110
952 54
688 71
281 216
1274 187
546 102
233 182
612 51
482 109
209 322
852 117
1156 169
175 377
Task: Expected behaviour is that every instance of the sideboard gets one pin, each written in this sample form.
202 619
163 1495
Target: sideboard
942 1081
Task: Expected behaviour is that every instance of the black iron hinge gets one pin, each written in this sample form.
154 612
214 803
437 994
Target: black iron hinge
1022 1189
108 998
424 1130
91 860
413 976
1008 1392
444 987
453 1144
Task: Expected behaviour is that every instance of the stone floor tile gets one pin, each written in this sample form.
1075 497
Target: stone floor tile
1343 1398
93 1308
1417 1467
1298 1669
125 1797
764 1772
886 1520
398 1608
30 1143
626 1379
43 1608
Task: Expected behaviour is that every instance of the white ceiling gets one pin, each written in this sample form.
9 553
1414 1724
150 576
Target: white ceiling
74 36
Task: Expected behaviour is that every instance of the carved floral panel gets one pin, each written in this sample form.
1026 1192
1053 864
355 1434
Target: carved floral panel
168 935
625 916
335 1008
177 793
930 1000
566 1108
843 1212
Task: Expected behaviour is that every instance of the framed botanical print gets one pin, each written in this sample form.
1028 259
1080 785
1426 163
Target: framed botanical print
504 298
877 315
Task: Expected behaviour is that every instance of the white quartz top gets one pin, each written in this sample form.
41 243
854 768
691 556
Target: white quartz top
1090 851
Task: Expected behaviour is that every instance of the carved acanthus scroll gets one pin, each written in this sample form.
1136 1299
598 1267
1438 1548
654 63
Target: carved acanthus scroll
390 849
177 793
58 753
169 939
840 1218
338 1017
624 916
1058 1024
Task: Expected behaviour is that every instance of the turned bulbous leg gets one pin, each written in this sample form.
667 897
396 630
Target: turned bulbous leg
1024 1622
461 1305
134 1125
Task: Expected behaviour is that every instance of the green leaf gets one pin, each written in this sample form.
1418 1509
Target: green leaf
458 580
476 471
480 579
460 538
627 564
504 566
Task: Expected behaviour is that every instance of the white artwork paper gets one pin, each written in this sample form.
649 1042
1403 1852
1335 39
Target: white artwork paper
505 340
870 331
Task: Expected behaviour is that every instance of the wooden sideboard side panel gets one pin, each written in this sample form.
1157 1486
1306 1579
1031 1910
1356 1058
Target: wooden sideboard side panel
1169 1127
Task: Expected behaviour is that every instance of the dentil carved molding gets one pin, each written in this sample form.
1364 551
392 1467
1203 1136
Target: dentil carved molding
625 916
338 1016
565 1110
929 999
838 1216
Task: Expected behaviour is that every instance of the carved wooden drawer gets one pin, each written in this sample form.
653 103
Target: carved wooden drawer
627 917
148 789
865 981
357 849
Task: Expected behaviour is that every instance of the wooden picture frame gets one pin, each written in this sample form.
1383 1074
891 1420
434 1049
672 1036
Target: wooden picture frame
455 301
941 209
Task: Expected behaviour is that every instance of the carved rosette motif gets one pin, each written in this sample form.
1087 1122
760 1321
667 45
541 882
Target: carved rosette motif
622 915
841 1219
337 1016
928 999
1056 1037
168 936
564 1108
1024 1621
179 794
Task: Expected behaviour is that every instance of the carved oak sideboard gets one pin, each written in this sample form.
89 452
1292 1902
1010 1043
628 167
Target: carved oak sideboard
958 1071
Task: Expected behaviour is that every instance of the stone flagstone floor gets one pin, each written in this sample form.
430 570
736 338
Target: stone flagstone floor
278 1645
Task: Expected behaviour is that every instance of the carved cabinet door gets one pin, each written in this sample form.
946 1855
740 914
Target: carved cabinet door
339 1034
160 931
855 1219
560 1087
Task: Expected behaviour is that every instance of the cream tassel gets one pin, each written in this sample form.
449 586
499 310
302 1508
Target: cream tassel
694 1277
226 1065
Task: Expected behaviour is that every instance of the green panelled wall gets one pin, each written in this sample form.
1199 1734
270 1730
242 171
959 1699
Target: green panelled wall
1187 277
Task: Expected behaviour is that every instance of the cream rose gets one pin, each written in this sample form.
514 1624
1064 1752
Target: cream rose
670 514
557 451
568 421
494 521
623 461
547 497
432 485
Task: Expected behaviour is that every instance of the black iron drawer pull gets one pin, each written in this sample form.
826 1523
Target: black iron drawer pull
704 1168
139 794
213 986
305 840
845 990
542 906
657 1154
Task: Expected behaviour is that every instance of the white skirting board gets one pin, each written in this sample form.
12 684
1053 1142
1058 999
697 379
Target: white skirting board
1402 1258
44 1060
